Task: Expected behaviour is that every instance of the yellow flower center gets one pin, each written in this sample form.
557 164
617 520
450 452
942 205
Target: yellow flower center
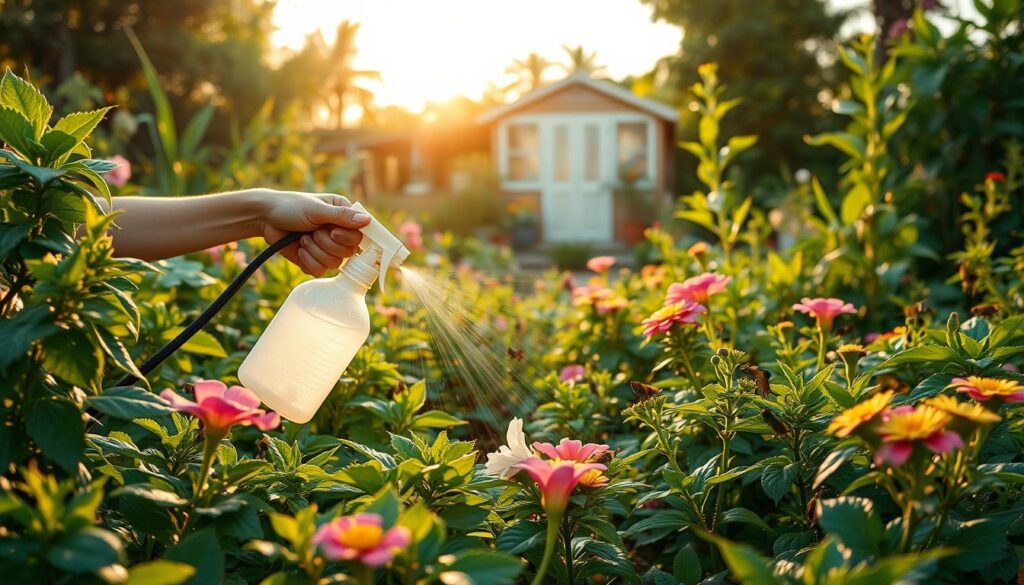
914 425
362 536
843 425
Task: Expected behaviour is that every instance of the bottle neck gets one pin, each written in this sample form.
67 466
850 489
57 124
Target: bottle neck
361 270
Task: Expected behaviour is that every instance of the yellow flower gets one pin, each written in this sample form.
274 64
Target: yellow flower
971 411
697 250
594 479
852 418
850 348
913 424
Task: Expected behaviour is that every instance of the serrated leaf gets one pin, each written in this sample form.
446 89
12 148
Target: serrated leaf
129 402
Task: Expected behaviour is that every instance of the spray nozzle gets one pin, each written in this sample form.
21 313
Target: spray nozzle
375 236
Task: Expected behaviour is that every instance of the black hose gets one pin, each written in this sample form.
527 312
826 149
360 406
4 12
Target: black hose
214 308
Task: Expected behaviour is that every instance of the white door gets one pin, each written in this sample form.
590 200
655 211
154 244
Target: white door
576 199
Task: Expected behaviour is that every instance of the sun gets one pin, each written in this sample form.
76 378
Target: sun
434 51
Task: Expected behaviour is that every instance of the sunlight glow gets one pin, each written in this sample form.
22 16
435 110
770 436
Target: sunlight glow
435 50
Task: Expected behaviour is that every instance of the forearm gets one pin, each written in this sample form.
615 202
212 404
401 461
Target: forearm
152 228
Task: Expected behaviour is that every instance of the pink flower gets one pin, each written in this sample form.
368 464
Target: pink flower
897 28
697 289
985 389
612 304
571 450
665 318
362 538
118 177
412 235
556 480
590 294
824 310
601 264
221 408
572 373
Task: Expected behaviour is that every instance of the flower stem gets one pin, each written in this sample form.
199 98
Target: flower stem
567 540
364 574
209 452
821 347
550 540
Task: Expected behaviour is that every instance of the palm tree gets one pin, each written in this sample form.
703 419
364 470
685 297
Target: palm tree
530 71
343 79
580 61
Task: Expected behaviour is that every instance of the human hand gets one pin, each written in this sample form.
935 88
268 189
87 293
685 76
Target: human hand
333 223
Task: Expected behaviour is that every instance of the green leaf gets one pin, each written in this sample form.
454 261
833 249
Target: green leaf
86 551
747 565
744 516
480 567
164 115
129 402
152 494
435 419
686 566
72 357
159 572
777 479
521 537
848 143
202 551
21 330
81 124
195 130
853 521
854 204
202 343
22 97
56 144
833 462
822 202
55 424
935 354
17 132
655 576
387 505
663 519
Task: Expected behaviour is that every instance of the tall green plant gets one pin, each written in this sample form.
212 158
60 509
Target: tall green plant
180 160
719 209
64 299
871 243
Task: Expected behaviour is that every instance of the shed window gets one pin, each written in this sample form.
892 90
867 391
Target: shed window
523 152
631 138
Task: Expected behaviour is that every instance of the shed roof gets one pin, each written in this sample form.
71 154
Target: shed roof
603 87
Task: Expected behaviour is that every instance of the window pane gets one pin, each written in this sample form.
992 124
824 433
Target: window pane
632 147
523 136
561 146
523 152
592 153
523 167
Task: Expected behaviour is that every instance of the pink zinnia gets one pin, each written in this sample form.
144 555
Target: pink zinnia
824 310
361 538
221 408
118 176
611 304
667 317
601 264
571 450
985 389
556 480
572 373
697 289
905 427
412 235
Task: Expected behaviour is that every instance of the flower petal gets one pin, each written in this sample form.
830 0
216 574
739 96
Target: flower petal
546 449
944 442
895 453
208 388
242 396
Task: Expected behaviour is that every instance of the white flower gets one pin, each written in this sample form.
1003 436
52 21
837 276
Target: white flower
499 464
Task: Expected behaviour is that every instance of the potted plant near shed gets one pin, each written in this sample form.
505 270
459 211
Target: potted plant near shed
522 226
637 207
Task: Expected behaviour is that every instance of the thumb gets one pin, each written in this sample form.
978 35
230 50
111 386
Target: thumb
336 212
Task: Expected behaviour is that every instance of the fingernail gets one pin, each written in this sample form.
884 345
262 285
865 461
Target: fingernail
360 217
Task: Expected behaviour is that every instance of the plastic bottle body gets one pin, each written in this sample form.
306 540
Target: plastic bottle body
307 346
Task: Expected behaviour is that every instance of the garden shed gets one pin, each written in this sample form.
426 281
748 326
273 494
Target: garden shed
590 157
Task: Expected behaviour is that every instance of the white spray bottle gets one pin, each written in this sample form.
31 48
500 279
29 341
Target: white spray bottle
319 329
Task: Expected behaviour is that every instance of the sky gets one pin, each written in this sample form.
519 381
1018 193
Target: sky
433 50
